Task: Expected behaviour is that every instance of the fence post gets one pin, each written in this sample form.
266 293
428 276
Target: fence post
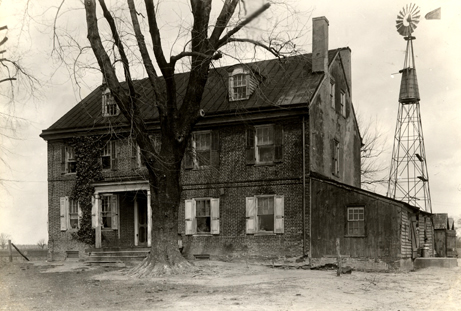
10 251
338 254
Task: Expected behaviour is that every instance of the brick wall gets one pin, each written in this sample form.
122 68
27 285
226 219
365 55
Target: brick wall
232 182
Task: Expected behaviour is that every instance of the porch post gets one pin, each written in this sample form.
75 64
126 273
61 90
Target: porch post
149 220
97 243
136 228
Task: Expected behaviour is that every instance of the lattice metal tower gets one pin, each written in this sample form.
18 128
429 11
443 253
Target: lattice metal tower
408 178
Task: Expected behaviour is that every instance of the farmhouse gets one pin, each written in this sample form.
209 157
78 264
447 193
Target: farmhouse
273 170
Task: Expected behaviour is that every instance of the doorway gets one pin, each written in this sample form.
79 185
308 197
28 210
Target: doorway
141 221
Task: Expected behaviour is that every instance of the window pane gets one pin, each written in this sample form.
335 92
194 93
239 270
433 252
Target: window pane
266 206
202 208
266 223
203 224
266 154
105 162
265 135
239 88
74 222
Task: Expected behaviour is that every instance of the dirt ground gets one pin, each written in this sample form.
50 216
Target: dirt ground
224 286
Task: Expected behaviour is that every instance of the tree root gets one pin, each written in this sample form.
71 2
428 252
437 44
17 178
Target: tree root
151 268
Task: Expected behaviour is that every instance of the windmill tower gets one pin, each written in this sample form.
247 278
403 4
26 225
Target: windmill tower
408 178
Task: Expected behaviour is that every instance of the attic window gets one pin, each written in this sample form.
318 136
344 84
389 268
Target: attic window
109 107
241 84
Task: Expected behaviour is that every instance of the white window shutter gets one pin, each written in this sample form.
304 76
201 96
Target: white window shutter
191 224
64 212
279 214
80 214
114 211
250 215
214 203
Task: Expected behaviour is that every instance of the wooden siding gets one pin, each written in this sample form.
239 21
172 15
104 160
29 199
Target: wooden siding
383 219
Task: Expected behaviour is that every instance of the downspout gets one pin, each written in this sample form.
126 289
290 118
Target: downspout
304 187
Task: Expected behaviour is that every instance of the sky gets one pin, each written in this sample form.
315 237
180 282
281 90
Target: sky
366 27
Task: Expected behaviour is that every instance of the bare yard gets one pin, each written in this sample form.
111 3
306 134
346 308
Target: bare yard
224 286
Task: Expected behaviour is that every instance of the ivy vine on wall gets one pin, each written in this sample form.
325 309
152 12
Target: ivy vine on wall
87 150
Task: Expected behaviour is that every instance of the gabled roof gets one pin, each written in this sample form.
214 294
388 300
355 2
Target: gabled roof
284 82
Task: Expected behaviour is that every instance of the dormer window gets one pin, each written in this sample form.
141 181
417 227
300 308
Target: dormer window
241 84
109 107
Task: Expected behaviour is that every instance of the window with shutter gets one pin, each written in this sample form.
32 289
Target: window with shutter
202 216
203 150
265 214
265 144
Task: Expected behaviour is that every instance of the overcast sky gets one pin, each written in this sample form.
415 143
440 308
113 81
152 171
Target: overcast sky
367 27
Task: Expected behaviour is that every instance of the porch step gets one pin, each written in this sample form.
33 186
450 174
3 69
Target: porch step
115 256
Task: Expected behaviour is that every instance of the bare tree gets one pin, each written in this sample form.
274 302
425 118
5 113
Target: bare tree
41 243
371 169
16 85
178 115
4 240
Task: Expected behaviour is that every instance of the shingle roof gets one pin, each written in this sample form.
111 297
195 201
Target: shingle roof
284 82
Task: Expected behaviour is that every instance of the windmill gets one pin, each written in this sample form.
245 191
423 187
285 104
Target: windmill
408 178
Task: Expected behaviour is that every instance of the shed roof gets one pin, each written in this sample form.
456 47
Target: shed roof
283 82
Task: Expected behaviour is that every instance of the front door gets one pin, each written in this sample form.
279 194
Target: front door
142 221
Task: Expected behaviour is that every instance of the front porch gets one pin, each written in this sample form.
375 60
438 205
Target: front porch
122 215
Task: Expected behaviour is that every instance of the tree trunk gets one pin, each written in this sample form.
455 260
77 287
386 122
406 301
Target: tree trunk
164 257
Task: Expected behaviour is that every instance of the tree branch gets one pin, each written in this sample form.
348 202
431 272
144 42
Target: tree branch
254 42
155 35
174 59
118 43
223 20
7 79
242 24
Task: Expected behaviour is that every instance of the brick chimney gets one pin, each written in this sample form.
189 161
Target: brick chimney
320 44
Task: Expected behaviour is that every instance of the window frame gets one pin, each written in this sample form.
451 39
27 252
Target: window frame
74 214
196 153
109 106
252 215
106 213
258 224
70 161
349 221
259 146
242 76
190 216
203 217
